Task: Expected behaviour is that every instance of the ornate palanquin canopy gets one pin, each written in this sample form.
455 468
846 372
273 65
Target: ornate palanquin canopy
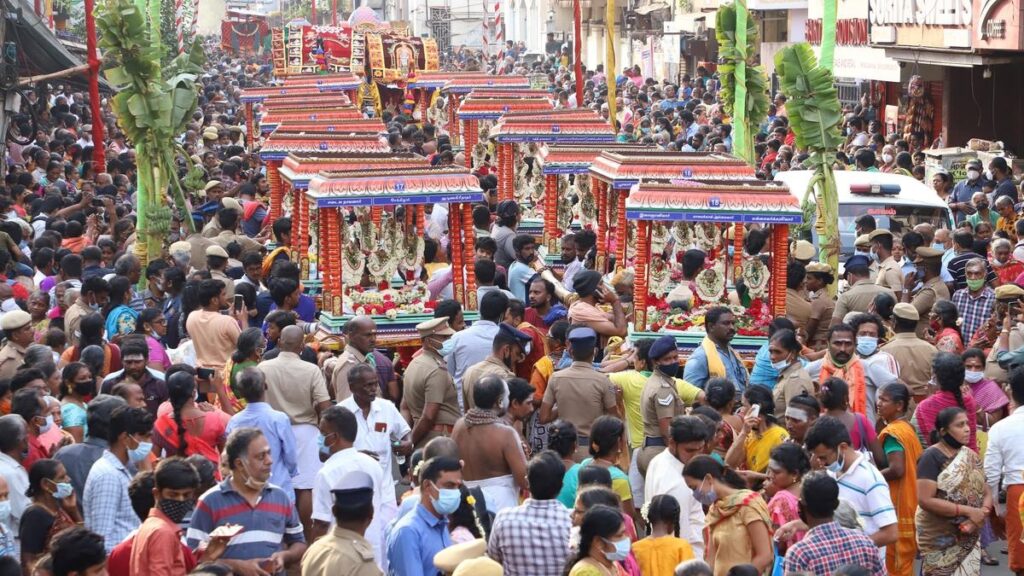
562 113
271 120
394 187
576 159
320 101
624 169
395 58
474 108
327 82
265 93
466 84
749 201
509 93
300 169
547 129
365 126
430 79
279 146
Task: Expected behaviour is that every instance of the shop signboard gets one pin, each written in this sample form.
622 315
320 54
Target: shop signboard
854 58
935 24
997 25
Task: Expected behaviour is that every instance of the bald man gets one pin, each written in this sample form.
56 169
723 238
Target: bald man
298 389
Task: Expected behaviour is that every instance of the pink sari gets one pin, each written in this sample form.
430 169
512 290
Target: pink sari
783 508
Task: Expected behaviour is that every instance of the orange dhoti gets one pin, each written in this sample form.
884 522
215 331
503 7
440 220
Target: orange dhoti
1013 526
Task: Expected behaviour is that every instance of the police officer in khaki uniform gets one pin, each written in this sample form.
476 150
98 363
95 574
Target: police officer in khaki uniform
344 551
890 274
430 402
217 261
798 305
861 292
933 289
819 278
579 393
509 347
17 327
862 245
802 251
913 355
659 400
1009 300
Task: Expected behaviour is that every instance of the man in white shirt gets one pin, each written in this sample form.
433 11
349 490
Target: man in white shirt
1004 460
665 476
860 483
338 432
382 430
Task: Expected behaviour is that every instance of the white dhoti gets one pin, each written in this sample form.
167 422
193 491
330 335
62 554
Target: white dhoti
308 456
500 492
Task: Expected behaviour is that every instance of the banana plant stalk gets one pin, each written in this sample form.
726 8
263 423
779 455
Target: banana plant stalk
815 115
744 89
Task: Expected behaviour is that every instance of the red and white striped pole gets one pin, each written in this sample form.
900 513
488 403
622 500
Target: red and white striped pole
179 10
499 30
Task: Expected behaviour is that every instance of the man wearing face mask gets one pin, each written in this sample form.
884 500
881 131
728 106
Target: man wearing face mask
418 536
659 400
860 482
430 402
984 212
933 289
1002 174
579 394
964 191
108 510
510 347
889 274
247 498
976 301
492 451
94 295
338 431
913 355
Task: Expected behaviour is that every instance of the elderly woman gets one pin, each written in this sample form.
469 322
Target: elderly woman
1006 267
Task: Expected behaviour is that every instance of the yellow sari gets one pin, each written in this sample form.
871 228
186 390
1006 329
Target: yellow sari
899 558
759 446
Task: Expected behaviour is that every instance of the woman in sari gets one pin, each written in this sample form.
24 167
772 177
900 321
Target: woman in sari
944 319
605 451
737 525
153 326
248 352
902 450
953 499
720 394
789 462
121 319
185 429
1006 267
91 330
834 395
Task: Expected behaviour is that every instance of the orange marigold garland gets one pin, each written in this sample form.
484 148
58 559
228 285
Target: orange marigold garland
454 240
620 229
780 257
551 233
640 278
276 189
467 249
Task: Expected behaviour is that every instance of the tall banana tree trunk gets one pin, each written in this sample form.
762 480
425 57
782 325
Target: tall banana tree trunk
815 115
744 85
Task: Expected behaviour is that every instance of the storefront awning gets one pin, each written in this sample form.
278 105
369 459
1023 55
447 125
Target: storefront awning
955 59
39 50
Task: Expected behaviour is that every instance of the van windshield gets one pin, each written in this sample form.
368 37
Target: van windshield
898 218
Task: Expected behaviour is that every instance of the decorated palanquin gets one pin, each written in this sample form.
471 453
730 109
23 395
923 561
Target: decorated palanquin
520 136
277 147
457 88
327 115
388 55
566 171
711 215
481 108
305 88
369 244
615 173
243 31
296 172
328 128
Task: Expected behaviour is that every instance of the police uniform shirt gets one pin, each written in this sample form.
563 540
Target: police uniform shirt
890 275
658 400
858 298
581 394
914 357
932 291
340 553
427 381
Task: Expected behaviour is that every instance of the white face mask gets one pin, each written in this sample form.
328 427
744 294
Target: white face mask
887 158
973 174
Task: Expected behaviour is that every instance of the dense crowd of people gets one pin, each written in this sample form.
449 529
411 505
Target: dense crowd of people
176 418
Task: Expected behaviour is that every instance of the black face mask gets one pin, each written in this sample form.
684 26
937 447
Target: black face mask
85 388
948 439
175 510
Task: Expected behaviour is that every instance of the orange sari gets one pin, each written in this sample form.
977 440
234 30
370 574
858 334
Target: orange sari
899 557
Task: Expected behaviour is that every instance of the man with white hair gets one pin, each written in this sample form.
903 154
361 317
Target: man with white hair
693 568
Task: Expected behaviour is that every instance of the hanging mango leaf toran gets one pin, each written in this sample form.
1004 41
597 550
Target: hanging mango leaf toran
744 89
815 115
153 104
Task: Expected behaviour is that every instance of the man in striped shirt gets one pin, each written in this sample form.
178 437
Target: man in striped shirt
271 538
860 482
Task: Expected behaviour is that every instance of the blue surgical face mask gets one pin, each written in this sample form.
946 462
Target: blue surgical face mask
325 448
447 501
731 250
64 489
705 497
836 467
139 453
866 345
939 246
5 511
621 551
565 361
447 347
